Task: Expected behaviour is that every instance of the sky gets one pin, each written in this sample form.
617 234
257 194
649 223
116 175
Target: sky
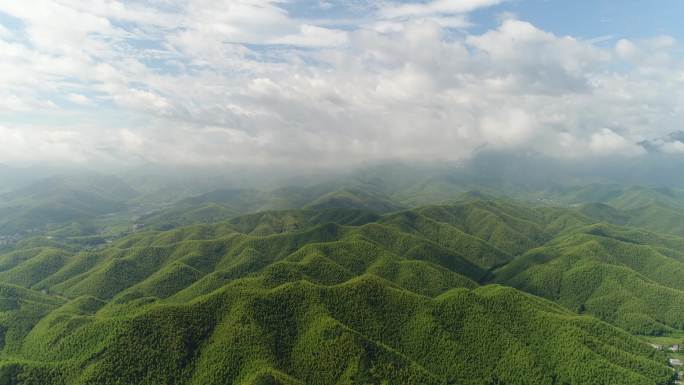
325 83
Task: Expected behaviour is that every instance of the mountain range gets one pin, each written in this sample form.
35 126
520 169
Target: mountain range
355 281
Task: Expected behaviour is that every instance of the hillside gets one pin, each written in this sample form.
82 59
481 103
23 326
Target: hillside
631 278
275 296
99 204
61 200
363 332
354 199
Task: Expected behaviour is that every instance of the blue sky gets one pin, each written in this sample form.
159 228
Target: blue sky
343 81
596 18
582 18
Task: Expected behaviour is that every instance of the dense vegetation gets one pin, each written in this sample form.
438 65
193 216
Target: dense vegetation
342 284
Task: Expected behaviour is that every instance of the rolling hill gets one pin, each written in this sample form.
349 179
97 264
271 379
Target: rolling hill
631 278
330 295
62 200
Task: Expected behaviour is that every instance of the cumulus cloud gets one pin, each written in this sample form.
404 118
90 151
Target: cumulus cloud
79 99
648 55
675 147
250 82
313 36
537 60
435 7
607 142
4 32
207 23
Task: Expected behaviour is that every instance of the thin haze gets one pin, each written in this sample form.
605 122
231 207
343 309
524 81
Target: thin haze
336 82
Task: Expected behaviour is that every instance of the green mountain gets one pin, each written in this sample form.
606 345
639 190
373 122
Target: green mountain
61 200
364 331
338 295
383 276
658 217
631 278
184 215
354 199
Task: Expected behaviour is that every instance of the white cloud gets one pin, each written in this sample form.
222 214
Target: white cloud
130 140
251 22
80 99
650 55
675 147
4 32
626 49
143 100
435 7
22 144
607 142
507 128
244 81
20 103
528 57
313 36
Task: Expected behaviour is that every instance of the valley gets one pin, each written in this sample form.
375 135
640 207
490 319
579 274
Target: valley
479 289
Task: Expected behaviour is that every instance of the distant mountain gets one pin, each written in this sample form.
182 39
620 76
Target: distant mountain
658 217
105 186
627 198
60 200
13 177
224 204
354 199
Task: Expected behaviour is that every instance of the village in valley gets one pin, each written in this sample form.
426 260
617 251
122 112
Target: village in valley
675 353
6 240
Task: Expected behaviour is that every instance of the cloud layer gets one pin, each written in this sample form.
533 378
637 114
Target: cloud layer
319 82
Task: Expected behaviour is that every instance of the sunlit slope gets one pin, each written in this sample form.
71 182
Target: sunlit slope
658 217
347 296
467 239
274 222
628 277
162 263
353 198
363 331
221 205
20 310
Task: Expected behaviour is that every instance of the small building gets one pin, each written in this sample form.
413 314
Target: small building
674 348
657 346
675 362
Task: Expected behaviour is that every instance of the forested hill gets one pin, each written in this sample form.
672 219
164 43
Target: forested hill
476 292
104 206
